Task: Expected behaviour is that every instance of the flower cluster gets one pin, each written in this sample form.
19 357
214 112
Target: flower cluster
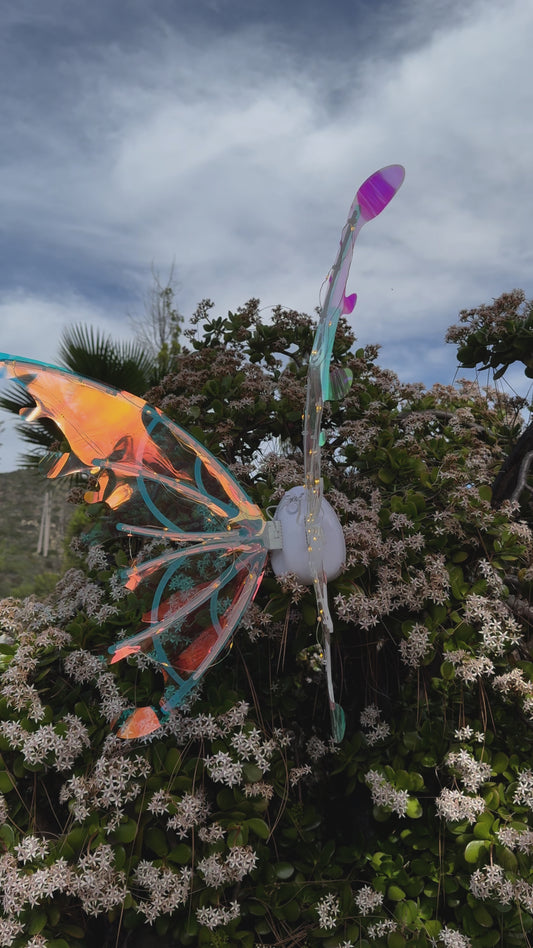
317 748
223 769
519 839
113 782
467 733
166 888
469 668
212 833
523 794
259 789
382 929
249 745
98 885
515 684
385 795
374 728
83 667
76 592
31 848
490 882
93 880
299 773
55 746
367 899
328 909
454 806
191 810
451 938
30 624
498 629
472 773
213 916
238 863
399 582
415 647
28 886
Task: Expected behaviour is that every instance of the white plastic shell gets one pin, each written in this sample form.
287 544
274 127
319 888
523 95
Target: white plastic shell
294 556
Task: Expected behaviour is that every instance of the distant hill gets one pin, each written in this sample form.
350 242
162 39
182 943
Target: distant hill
24 532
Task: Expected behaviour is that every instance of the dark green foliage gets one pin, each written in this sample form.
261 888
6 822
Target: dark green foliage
496 335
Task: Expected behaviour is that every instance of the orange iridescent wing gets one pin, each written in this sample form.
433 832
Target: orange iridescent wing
169 489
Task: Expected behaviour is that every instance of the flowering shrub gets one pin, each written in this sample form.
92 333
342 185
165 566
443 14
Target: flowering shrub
240 823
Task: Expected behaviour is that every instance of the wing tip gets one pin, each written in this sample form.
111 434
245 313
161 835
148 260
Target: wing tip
138 723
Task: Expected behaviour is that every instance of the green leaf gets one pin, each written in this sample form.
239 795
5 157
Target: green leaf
119 853
37 922
485 492
156 841
126 832
500 763
284 870
406 912
386 476
258 909
173 761
483 917
238 836
75 931
505 857
381 814
378 858
252 772
475 849
489 939
54 914
396 940
292 911
181 854
259 827
6 783
395 893
225 799
76 839
414 809
411 739
309 614
483 827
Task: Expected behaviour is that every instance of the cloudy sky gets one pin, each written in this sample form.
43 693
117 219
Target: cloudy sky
229 137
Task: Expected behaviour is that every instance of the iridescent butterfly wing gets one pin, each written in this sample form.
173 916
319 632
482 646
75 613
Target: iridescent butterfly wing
325 383
209 539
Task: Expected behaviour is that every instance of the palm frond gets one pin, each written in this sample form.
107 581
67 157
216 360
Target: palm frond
124 365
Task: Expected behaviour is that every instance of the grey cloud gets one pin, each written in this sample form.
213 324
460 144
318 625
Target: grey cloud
234 145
